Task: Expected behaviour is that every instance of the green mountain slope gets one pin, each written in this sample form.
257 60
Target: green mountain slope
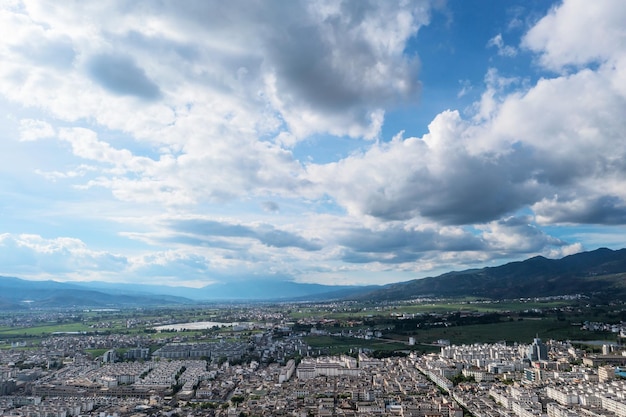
601 272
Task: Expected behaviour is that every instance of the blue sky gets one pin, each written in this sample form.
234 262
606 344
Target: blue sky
335 142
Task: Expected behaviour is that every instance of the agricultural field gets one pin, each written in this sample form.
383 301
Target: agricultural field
366 310
516 331
335 345
340 326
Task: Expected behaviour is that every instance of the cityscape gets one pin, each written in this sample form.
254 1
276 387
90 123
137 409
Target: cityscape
313 208
268 364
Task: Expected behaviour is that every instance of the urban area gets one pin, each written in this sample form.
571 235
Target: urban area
266 368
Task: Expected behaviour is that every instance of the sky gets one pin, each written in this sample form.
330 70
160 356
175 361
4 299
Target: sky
189 143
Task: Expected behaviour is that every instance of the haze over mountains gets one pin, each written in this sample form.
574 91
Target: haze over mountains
601 272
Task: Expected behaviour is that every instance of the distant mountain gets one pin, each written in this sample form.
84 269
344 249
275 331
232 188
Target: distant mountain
7 305
264 289
278 290
601 272
19 293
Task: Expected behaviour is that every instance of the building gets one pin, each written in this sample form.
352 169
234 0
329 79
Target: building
109 356
537 351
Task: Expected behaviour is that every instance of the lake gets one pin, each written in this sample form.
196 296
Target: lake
196 325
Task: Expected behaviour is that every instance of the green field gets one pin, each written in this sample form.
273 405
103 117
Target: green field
510 331
43 330
344 344
480 307
510 321
96 352
368 310
520 331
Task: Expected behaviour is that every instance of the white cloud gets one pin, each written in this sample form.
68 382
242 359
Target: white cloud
579 32
466 87
62 257
519 235
32 130
324 67
195 108
204 106
79 171
525 144
437 176
503 50
85 144
70 259
345 91
557 253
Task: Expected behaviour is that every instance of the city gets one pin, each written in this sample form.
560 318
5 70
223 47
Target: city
264 366
313 208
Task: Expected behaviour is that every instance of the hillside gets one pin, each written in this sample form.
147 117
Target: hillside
601 272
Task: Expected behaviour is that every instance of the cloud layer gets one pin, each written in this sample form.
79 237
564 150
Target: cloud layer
189 124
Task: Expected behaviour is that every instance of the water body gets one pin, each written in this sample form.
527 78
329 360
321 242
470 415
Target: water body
196 325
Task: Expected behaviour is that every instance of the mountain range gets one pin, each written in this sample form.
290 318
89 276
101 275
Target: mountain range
600 272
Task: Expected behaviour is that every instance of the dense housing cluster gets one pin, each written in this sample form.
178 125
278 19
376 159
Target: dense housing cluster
553 379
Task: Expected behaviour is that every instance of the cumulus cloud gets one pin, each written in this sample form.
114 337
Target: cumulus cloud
346 62
63 258
577 33
188 106
121 75
527 143
32 255
436 176
518 235
603 209
85 144
170 263
264 233
566 250
398 243
322 67
270 70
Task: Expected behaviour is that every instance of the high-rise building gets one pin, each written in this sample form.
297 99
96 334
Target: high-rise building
537 351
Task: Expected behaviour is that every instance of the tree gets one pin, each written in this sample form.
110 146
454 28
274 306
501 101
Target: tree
237 399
